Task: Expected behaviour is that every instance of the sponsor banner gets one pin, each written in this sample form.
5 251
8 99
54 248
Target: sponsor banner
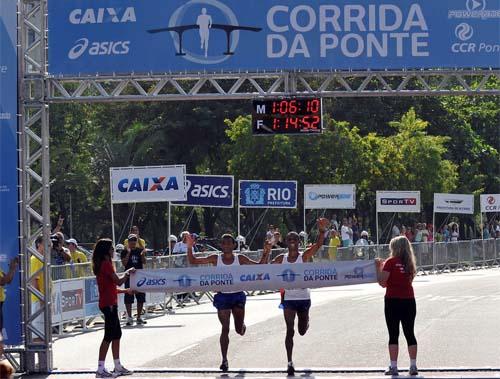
125 36
56 303
209 191
490 203
254 277
398 201
147 184
9 231
91 297
268 194
330 196
72 300
453 203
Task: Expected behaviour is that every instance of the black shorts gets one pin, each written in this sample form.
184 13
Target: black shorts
112 328
297 305
129 299
223 301
1 317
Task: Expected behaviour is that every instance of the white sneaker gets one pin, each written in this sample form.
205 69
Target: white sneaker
141 321
130 321
122 371
103 374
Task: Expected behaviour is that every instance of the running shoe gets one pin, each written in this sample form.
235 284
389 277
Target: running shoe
103 374
393 371
413 370
224 366
122 371
141 321
290 370
130 321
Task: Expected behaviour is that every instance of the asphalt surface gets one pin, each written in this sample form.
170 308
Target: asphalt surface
457 326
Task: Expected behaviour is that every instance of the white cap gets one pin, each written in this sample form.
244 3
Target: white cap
364 233
172 238
303 234
73 241
119 247
240 238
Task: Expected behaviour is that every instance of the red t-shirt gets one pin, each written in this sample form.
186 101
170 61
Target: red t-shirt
108 295
399 282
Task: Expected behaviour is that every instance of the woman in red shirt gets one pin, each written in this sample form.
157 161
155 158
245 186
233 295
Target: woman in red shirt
107 280
396 274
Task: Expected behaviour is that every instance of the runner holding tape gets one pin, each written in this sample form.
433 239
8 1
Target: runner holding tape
228 303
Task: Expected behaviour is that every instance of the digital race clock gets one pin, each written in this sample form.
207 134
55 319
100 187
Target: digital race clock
287 116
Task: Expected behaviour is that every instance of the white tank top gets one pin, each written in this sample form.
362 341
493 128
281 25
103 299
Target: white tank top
296 293
236 262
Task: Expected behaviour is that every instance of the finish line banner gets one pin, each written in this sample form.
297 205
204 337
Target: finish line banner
135 36
254 277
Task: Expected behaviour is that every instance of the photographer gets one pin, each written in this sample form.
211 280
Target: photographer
59 255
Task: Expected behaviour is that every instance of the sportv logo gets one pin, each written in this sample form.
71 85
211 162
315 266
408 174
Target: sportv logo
398 201
147 184
152 282
98 48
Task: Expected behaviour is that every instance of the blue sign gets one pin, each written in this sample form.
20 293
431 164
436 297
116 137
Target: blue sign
124 36
209 191
9 231
91 297
268 194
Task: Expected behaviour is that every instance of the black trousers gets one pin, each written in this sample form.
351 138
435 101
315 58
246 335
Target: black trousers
112 329
401 311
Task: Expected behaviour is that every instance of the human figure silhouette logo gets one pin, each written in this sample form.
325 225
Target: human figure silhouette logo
204 22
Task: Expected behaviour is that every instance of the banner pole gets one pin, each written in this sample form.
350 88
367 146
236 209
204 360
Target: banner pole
239 231
376 222
169 227
434 241
304 218
481 226
113 222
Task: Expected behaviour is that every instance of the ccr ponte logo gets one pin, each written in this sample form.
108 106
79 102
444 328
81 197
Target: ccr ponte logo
210 18
464 31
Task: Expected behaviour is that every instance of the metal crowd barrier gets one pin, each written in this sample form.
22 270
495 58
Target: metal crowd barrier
75 294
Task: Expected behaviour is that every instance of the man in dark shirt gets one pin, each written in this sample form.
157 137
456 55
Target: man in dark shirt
134 256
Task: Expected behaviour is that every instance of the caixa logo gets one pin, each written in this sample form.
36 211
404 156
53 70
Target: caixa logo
102 15
98 48
148 184
152 282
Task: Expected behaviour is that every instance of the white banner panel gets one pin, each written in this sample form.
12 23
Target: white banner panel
72 300
490 203
453 203
254 277
398 201
147 184
329 196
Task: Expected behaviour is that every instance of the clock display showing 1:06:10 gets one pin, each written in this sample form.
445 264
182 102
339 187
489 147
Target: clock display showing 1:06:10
296 114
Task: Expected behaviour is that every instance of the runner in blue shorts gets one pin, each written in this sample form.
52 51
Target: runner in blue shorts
228 303
298 301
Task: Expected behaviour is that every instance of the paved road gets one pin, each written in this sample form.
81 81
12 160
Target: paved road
458 325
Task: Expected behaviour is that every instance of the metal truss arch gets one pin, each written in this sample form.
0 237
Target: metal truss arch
238 86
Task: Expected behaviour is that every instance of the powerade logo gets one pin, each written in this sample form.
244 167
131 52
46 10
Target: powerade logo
184 281
358 273
254 277
474 9
333 196
152 282
148 184
211 18
288 276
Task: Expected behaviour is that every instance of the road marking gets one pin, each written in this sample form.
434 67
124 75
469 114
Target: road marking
183 349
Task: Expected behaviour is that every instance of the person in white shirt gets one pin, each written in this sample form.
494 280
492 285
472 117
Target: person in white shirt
346 233
296 302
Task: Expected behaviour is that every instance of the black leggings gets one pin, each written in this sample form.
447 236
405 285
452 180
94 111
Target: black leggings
404 311
112 329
